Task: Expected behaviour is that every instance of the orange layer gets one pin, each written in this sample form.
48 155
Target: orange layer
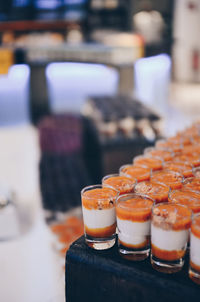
170 145
135 246
101 232
182 168
173 180
188 198
194 266
192 159
182 219
158 192
166 255
101 197
138 173
152 163
122 184
195 228
165 155
134 209
194 184
191 149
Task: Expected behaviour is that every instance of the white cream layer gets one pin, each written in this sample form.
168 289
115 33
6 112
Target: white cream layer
169 240
195 249
133 232
95 219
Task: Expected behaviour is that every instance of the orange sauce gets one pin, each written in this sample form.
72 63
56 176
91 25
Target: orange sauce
189 198
101 232
191 149
192 184
191 159
122 184
157 191
184 169
175 147
195 228
139 173
166 255
181 216
135 246
163 154
151 163
135 209
100 197
170 178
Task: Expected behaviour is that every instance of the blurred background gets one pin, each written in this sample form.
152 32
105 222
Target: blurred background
85 85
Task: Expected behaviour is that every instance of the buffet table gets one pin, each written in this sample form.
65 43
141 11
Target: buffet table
104 276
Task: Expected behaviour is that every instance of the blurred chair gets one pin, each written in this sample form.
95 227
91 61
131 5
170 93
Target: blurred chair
70 84
14 100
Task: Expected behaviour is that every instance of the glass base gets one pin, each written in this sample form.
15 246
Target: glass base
134 255
100 243
194 275
168 267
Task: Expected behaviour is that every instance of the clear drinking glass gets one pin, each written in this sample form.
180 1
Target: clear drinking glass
98 206
194 268
133 213
123 184
170 226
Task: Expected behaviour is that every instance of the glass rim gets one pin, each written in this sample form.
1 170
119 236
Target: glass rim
98 186
135 166
117 175
136 195
168 171
146 156
172 204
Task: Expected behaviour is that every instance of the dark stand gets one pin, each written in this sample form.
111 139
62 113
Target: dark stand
103 276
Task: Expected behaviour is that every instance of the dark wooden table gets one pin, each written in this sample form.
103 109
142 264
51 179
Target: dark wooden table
104 276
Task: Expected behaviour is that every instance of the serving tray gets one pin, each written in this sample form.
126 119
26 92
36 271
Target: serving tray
104 276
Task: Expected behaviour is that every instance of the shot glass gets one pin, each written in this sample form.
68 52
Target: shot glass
157 191
185 169
170 226
186 197
194 268
152 163
98 206
168 177
133 213
176 147
136 172
163 154
191 159
192 183
123 184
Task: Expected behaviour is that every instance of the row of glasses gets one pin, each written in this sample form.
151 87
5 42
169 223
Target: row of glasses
142 224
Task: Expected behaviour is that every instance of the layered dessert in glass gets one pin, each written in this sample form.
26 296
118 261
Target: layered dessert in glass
170 178
176 147
194 269
98 206
133 213
123 184
191 159
192 183
183 168
136 172
169 236
186 197
163 154
157 191
152 163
